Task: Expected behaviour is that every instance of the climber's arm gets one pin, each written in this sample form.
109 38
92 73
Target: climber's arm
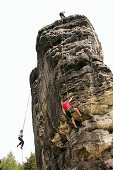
70 99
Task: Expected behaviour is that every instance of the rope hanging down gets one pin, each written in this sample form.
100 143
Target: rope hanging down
26 110
24 123
22 154
92 70
63 62
28 101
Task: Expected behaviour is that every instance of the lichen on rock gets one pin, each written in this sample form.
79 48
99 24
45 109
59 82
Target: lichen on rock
70 64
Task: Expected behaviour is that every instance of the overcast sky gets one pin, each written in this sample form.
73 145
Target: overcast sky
20 21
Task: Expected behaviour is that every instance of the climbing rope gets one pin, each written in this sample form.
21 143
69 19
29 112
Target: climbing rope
25 117
24 122
28 101
92 70
26 110
62 50
22 155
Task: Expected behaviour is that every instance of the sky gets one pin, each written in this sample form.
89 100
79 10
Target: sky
20 21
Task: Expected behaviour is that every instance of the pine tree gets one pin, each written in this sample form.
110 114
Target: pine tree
31 163
9 163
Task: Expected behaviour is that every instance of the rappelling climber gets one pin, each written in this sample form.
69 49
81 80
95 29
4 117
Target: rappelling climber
62 14
20 137
66 106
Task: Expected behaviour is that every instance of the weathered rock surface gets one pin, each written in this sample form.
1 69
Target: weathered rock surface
70 64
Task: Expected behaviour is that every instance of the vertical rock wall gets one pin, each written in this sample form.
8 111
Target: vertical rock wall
70 64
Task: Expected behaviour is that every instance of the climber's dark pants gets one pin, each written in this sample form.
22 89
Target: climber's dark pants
69 112
21 142
62 15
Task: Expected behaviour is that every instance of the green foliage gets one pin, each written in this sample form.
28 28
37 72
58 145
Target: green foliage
31 163
20 167
9 163
1 164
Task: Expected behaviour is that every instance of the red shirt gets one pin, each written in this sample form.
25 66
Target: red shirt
66 105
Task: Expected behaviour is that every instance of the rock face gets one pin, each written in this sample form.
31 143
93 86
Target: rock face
70 64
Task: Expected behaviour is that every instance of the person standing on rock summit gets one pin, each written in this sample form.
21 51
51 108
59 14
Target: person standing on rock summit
66 106
62 14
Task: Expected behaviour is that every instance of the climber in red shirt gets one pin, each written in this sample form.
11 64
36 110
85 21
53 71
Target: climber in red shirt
66 106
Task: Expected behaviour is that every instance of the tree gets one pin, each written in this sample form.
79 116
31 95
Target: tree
9 163
31 163
1 165
20 166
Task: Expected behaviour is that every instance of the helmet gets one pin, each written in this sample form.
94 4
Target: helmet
21 130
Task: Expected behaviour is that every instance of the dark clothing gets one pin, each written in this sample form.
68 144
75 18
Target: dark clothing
21 142
62 15
69 112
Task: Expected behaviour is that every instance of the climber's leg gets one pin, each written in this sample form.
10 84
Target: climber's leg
77 111
73 122
22 144
68 113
